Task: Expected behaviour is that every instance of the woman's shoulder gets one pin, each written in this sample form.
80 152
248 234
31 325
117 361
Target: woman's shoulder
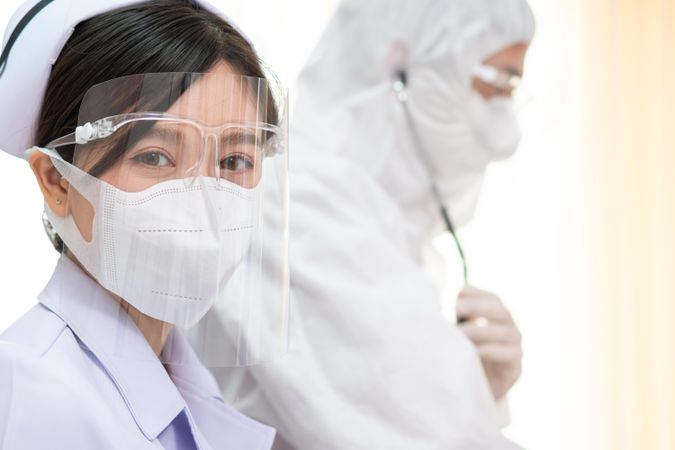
39 352
50 389
31 336
28 362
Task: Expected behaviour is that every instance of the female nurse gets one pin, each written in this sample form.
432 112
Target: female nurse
155 138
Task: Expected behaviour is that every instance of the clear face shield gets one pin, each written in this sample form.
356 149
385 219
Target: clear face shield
178 206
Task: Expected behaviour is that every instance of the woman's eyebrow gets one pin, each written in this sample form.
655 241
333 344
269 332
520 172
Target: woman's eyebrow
228 138
160 130
241 136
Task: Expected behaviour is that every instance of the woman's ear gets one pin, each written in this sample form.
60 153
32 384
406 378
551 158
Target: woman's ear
53 186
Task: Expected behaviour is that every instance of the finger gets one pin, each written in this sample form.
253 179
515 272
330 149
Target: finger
500 353
491 309
482 303
491 334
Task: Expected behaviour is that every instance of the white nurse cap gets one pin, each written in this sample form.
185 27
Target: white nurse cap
33 40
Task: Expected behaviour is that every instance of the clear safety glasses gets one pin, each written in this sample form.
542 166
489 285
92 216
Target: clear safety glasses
178 204
505 82
161 146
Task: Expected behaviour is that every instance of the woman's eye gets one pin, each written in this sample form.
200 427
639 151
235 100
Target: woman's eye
236 163
152 158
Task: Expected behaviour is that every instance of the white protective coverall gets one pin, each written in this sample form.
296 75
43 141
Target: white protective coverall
373 364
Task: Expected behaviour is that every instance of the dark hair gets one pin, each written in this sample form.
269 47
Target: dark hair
150 37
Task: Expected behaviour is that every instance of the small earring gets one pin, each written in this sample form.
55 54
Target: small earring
58 202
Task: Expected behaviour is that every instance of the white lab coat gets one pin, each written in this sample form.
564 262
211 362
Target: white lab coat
373 364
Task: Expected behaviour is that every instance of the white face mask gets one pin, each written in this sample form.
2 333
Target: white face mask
495 123
168 250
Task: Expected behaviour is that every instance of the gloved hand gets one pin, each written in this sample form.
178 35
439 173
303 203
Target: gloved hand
491 328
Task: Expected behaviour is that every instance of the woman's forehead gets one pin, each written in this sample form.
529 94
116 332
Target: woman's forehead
218 96
221 96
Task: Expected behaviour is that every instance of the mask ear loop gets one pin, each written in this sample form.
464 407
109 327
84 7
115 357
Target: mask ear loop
400 88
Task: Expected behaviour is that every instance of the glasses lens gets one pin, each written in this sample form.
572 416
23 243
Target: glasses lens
145 152
242 150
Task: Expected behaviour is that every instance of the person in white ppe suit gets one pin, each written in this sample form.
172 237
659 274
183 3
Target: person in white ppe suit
400 99
155 138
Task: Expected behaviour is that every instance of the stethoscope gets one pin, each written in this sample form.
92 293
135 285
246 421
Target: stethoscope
400 88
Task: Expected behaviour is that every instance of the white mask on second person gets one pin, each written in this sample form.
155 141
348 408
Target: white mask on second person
495 123
461 132
167 250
